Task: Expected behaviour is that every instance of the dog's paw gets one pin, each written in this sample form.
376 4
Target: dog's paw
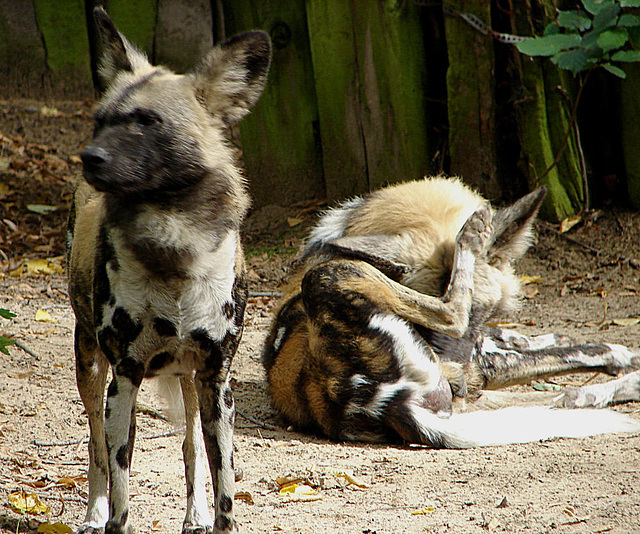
474 235
586 397
88 529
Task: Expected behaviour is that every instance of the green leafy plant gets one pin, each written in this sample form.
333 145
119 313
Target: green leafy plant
600 34
5 341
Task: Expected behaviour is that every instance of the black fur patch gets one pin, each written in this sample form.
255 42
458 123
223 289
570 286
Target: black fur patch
122 457
223 523
127 329
228 310
228 398
164 327
132 369
226 504
159 361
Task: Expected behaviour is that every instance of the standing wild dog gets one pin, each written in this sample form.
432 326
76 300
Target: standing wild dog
384 325
157 275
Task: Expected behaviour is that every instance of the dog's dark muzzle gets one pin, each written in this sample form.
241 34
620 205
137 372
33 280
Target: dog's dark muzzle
94 161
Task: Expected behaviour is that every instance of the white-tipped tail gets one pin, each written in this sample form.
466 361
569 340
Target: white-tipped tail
518 425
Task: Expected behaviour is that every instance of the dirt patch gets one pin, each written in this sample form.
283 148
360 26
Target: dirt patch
584 285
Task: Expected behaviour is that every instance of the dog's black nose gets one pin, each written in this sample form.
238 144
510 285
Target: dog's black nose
94 157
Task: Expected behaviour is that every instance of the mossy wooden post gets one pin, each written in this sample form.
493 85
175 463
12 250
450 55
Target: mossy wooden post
543 122
183 33
630 111
280 137
471 99
136 19
368 61
64 34
22 54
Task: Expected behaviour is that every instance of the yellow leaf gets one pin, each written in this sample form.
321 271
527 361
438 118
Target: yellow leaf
43 316
294 221
526 279
28 503
424 511
37 267
299 492
54 528
351 479
568 223
244 496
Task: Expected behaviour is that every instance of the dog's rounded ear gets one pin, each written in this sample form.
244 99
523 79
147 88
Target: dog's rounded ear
230 78
116 53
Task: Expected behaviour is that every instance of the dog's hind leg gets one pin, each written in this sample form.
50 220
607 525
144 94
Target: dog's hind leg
449 314
623 389
197 518
506 360
91 376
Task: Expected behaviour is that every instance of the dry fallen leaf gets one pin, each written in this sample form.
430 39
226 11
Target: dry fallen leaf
28 503
54 528
294 221
244 496
41 209
568 223
526 279
43 316
626 321
299 492
351 479
424 511
41 266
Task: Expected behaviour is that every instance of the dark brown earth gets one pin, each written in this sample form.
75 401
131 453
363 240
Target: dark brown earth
588 286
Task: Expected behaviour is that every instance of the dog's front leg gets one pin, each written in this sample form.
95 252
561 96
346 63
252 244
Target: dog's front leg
217 411
120 429
197 519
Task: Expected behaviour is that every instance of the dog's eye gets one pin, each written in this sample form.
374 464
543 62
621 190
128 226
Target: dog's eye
147 118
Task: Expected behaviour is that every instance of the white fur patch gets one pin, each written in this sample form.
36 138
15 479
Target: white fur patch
277 342
415 362
332 224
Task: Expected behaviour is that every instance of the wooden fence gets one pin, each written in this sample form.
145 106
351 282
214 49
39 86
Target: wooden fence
368 92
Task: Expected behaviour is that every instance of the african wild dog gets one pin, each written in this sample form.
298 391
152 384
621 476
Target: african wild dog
384 325
157 275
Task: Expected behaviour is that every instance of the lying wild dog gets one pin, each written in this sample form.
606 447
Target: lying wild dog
384 325
157 275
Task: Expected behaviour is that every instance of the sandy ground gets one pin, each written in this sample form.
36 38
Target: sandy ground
565 486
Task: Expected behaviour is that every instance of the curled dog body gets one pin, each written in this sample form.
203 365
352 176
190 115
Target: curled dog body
384 326
156 267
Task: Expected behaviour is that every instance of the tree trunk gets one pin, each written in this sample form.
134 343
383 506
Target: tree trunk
280 137
543 123
630 111
471 99
368 61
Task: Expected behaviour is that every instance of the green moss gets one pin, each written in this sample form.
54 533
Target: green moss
63 27
279 137
471 101
136 19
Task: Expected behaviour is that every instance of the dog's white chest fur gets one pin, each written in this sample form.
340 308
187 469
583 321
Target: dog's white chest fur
194 300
